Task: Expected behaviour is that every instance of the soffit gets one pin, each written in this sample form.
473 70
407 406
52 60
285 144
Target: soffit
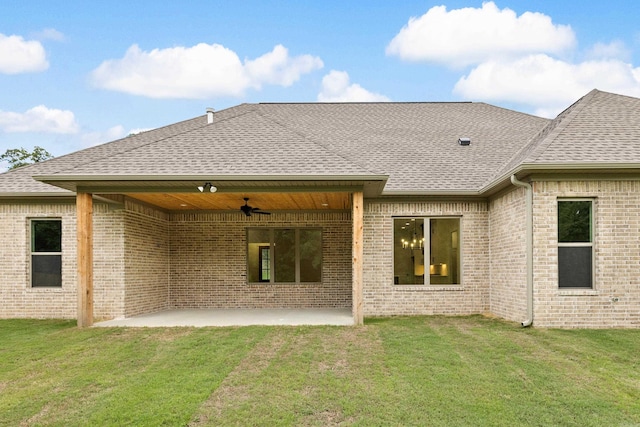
232 201
371 186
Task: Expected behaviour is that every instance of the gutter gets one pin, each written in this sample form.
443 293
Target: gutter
564 168
200 177
529 245
37 195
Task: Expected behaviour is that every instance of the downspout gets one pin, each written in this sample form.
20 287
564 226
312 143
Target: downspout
529 245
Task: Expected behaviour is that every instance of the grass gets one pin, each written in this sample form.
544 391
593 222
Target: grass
435 371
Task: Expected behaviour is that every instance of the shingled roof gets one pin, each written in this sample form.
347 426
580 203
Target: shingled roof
415 145
19 182
600 130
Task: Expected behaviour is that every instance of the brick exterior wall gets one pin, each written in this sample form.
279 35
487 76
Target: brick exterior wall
20 300
508 255
146 255
209 262
146 260
383 298
109 280
614 300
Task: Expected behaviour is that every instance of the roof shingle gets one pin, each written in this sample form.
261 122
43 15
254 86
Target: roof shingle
414 143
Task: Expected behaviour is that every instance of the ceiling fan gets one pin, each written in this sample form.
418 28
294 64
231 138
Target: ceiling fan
248 210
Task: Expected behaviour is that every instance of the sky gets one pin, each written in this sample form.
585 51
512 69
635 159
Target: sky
76 73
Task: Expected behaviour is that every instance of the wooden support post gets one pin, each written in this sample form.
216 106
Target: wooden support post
357 218
84 214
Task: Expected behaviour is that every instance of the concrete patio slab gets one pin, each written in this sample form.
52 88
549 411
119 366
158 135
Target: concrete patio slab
236 317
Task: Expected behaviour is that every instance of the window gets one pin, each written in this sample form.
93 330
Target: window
265 263
284 255
436 240
46 253
575 243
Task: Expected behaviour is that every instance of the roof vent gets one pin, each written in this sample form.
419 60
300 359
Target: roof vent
464 141
210 115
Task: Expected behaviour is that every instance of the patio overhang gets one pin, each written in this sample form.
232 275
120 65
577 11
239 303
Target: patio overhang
270 192
180 193
372 185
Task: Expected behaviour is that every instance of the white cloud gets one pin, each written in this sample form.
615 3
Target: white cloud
198 72
547 84
469 36
336 87
614 50
89 139
138 130
50 34
39 119
18 55
278 68
515 59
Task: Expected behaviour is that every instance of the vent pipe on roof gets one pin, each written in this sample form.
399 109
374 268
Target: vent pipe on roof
210 115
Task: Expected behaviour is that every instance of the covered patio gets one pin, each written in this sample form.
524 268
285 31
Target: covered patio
235 317
185 250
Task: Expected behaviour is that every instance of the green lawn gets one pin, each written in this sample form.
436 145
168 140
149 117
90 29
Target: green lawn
427 371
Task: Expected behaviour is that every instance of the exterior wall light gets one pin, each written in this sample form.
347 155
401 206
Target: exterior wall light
207 188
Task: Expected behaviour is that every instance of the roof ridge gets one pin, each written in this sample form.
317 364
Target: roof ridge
367 102
553 127
558 124
155 141
27 166
102 145
318 143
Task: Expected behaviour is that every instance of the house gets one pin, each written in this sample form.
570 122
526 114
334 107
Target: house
386 208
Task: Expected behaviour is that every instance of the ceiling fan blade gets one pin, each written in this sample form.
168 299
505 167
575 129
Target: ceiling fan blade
248 210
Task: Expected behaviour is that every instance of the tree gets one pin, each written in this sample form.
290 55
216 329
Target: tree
17 157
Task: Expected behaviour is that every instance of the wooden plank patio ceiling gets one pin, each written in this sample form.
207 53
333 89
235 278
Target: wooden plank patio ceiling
294 201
